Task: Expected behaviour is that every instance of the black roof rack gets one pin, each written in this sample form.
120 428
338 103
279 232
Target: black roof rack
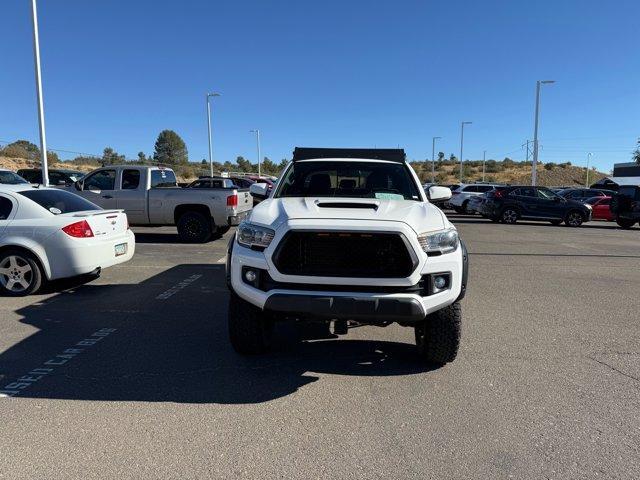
392 154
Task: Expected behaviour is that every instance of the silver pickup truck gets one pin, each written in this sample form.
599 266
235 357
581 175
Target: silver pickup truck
151 196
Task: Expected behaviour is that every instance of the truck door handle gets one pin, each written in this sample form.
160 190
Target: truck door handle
107 196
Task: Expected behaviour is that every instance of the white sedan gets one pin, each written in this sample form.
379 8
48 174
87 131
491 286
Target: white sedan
48 234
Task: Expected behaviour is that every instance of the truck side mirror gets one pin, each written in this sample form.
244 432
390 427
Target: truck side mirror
437 193
259 190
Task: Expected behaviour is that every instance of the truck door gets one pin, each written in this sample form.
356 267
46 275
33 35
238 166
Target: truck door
99 188
132 195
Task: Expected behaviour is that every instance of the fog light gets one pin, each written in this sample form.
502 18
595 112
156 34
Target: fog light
440 282
250 275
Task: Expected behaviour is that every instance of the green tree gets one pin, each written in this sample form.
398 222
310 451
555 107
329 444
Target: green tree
142 158
283 163
244 165
268 167
453 158
14 151
52 157
636 153
33 152
203 162
111 157
440 156
170 149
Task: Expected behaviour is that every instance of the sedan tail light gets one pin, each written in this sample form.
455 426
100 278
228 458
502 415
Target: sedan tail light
498 193
78 230
232 200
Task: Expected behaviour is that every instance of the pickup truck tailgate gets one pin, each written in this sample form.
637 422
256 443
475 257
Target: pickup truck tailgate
245 200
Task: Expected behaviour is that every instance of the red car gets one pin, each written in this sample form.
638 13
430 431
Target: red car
601 210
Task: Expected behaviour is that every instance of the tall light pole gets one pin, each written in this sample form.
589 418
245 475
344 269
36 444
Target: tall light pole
209 95
534 164
484 159
588 162
462 124
257 132
36 56
433 158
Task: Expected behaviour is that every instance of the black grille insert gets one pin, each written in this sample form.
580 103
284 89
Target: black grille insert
345 254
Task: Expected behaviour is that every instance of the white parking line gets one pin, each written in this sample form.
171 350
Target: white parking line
176 288
48 367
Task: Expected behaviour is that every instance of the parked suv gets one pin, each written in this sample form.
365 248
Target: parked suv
509 204
461 195
348 235
625 205
56 177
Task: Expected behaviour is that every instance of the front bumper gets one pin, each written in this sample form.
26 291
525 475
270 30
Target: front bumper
382 309
370 299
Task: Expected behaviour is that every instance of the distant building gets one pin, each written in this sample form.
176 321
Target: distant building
623 174
626 173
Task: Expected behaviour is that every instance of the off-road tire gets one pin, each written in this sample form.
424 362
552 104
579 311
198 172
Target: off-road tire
465 208
250 329
194 227
22 259
509 216
573 219
625 223
438 336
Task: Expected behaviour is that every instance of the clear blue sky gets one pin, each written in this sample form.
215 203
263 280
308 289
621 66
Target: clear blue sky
330 73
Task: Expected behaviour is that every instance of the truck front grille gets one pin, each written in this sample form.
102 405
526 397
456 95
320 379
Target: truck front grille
345 254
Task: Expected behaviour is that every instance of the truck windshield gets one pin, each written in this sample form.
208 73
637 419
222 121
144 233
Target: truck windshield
353 179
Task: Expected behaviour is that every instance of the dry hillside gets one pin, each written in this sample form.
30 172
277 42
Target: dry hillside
558 175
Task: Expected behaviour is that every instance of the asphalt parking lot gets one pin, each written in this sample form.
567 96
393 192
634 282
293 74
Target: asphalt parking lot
131 375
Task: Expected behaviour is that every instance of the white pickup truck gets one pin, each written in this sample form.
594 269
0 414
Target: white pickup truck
348 235
151 196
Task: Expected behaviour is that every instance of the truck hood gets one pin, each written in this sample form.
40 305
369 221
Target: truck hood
421 216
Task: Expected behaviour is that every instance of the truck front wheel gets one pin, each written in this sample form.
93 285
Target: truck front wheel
194 227
438 336
250 328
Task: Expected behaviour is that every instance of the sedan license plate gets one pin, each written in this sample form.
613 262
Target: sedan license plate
121 249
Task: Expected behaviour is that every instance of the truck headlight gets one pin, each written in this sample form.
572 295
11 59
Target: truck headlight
437 243
250 235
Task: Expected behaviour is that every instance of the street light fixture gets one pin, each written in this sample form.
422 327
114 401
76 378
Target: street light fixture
588 162
534 164
36 55
462 124
433 158
484 159
257 132
213 94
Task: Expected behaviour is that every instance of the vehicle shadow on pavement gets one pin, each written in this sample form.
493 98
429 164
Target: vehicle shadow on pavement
165 340
165 238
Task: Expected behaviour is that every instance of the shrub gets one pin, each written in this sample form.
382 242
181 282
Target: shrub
14 151
550 166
